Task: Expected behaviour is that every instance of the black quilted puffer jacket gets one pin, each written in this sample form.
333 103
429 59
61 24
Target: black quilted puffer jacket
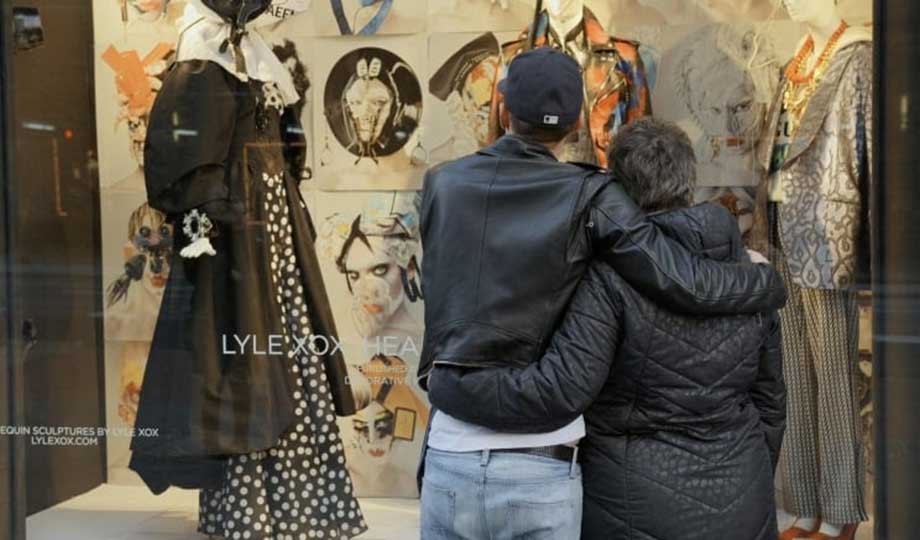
686 415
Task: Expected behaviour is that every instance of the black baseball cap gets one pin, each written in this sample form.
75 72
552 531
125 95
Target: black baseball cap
544 88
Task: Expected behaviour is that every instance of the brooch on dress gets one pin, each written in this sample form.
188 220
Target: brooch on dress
197 227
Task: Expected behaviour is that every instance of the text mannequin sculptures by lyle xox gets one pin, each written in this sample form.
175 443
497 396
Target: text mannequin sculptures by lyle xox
813 207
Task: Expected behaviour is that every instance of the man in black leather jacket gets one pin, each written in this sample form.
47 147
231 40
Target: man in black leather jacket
507 234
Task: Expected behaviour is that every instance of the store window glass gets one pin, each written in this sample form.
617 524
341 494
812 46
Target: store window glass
214 299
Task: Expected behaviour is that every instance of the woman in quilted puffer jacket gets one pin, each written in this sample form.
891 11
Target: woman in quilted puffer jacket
685 416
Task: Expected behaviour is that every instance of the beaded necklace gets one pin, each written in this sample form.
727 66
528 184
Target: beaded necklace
800 87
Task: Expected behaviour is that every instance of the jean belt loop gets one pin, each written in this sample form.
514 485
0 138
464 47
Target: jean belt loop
574 465
485 458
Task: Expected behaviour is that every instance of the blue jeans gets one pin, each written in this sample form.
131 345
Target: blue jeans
500 496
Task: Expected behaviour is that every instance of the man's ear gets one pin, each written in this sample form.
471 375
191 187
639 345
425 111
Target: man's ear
504 116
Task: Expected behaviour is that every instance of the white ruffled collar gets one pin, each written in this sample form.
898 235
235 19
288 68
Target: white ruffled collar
202 35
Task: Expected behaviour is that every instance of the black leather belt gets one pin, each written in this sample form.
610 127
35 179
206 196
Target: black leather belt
560 452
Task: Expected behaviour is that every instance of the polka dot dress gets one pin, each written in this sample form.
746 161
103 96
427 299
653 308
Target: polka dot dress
300 489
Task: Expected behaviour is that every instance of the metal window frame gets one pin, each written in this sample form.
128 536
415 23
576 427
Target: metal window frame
12 449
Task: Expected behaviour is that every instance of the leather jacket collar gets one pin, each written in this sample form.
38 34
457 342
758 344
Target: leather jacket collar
515 147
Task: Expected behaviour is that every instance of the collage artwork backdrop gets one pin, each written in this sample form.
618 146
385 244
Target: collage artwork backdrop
389 88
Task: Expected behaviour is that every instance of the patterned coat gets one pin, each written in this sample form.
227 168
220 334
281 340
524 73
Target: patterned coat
824 221
616 89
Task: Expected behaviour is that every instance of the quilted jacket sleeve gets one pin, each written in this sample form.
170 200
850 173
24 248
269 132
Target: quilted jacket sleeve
769 390
552 392
661 269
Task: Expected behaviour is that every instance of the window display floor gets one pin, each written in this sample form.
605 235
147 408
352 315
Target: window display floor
112 512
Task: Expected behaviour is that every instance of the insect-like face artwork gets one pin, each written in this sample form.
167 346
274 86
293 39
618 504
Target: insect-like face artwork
153 238
368 103
373 103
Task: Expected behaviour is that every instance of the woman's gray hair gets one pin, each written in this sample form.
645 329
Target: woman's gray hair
654 162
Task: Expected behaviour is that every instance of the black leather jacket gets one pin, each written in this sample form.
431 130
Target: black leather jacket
508 233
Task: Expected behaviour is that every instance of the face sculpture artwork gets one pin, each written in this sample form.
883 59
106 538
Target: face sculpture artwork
376 285
476 99
153 237
373 427
725 82
377 252
464 82
392 411
369 104
373 103
149 247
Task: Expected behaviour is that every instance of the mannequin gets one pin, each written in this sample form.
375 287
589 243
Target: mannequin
616 89
813 208
243 404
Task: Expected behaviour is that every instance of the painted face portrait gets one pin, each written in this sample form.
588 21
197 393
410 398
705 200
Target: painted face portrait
137 133
724 81
147 254
476 97
373 103
374 426
377 252
376 285
390 411
464 82
153 237
368 105
727 111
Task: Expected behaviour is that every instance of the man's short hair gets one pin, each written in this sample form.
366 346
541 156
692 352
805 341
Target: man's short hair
654 162
539 134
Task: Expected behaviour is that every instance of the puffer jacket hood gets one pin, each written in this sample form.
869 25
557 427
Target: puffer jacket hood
706 229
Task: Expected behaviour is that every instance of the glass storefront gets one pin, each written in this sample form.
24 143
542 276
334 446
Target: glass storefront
212 292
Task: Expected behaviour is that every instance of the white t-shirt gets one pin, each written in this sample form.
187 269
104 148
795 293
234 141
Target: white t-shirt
451 435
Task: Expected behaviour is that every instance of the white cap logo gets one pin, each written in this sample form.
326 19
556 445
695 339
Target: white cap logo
551 119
